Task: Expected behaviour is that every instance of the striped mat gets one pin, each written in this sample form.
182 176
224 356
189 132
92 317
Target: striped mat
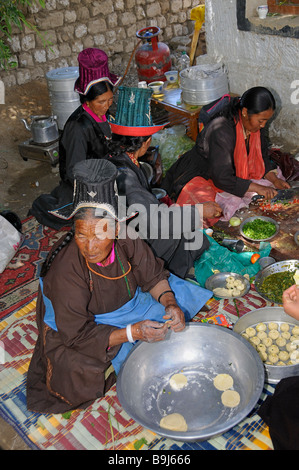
105 425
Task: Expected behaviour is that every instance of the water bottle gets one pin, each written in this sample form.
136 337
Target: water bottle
184 61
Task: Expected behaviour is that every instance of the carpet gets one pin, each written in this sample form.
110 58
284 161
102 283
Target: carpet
104 425
19 281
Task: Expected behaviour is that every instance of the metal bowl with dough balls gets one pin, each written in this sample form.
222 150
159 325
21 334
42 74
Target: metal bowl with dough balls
223 281
266 315
200 352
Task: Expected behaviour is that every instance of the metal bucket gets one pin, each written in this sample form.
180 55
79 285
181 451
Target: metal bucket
210 84
64 100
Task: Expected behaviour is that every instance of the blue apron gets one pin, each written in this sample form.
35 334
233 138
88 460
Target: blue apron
189 297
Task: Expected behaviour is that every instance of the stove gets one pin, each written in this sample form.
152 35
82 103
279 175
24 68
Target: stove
47 152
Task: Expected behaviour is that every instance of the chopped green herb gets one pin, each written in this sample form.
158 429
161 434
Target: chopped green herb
274 285
259 229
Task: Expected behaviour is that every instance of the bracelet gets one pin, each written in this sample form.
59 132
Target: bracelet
165 292
129 333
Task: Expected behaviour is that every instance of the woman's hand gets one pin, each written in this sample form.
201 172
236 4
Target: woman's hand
278 183
175 318
290 300
211 209
281 184
265 191
149 331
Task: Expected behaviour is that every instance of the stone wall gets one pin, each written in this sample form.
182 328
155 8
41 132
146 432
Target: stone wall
111 25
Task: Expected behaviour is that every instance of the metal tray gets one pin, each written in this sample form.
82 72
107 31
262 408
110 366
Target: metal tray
219 280
250 219
281 266
200 352
273 374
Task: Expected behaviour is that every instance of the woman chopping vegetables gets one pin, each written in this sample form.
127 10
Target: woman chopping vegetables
229 162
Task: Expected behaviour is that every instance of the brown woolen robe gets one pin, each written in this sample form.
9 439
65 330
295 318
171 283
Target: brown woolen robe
68 366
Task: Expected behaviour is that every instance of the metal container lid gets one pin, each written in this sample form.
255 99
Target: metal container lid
64 73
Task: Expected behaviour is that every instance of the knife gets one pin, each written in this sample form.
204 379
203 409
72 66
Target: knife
285 195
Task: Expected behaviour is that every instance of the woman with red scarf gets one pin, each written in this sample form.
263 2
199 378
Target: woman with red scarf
230 162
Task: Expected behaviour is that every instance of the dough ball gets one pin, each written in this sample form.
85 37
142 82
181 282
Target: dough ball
223 381
273 326
261 327
290 346
267 342
178 381
281 342
261 348
273 334
273 358
286 335
263 355
174 422
262 335
245 336
283 356
250 331
295 331
255 341
294 356
284 327
273 349
236 292
294 338
230 398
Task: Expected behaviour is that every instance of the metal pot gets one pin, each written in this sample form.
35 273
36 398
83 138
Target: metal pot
44 129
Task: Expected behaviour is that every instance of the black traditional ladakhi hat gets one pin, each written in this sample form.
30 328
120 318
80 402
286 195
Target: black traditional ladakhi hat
133 114
94 187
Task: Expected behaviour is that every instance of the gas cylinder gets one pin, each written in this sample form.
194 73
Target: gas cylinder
153 57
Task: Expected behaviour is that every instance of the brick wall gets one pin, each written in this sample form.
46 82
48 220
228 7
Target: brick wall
111 25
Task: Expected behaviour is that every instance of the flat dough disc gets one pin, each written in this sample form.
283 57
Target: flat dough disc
174 422
223 381
178 381
230 398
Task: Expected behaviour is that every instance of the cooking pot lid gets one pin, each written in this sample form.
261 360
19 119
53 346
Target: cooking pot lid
63 73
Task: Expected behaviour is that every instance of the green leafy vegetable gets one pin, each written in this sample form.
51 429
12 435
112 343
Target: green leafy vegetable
274 285
259 229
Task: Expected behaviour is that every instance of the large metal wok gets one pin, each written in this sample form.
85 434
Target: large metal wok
200 352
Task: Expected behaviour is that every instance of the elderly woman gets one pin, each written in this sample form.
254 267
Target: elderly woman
101 290
85 133
230 162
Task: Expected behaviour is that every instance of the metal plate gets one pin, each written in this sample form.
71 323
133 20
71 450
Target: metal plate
200 352
291 264
273 374
250 219
219 280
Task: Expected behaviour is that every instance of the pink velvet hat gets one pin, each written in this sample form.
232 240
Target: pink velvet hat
93 68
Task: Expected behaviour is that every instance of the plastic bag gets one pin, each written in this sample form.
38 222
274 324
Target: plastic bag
172 143
219 258
11 239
